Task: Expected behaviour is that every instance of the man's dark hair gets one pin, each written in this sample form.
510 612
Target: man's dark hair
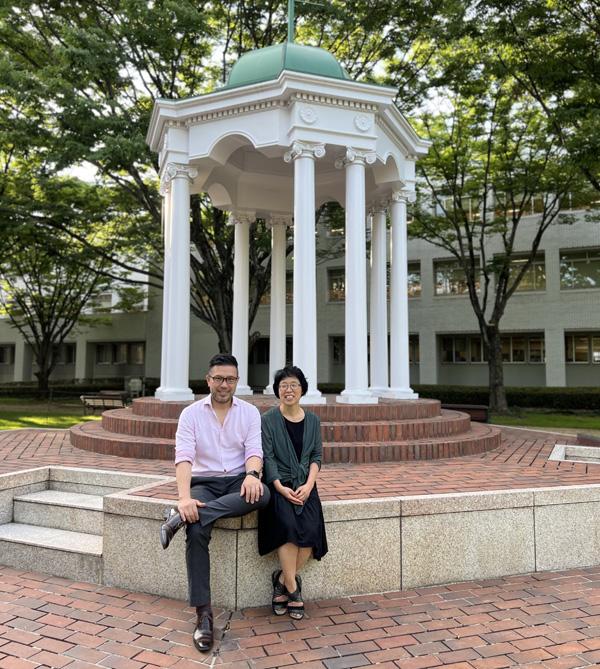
286 372
225 359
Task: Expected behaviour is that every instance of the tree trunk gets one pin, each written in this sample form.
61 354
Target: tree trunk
43 377
224 338
497 400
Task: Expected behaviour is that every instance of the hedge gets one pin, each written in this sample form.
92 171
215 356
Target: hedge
560 399
557 399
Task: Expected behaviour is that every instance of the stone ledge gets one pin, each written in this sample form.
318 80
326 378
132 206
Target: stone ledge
375 544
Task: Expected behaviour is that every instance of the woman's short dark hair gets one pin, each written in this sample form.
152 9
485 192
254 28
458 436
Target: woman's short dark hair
222 359
286 372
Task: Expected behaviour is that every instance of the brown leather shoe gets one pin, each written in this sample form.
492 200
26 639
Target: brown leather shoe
168 530
204 634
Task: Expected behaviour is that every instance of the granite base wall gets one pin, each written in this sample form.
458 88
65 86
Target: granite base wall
375 545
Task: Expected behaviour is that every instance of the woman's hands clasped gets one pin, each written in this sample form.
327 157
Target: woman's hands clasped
288 493
303 492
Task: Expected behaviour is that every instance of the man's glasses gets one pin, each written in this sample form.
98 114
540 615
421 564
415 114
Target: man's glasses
289 386
229 380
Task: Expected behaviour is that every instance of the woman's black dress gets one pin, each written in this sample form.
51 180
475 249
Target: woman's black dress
280 524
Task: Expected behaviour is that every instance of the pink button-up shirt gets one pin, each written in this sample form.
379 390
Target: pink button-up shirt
215 449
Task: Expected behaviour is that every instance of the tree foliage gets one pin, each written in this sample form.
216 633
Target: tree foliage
552 47
48 281
494 161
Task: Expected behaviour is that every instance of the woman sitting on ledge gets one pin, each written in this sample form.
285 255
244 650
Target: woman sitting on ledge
293 521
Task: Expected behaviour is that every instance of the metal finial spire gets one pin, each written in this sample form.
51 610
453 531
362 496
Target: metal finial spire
290 37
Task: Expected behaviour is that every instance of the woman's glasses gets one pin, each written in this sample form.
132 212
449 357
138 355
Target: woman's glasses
289 386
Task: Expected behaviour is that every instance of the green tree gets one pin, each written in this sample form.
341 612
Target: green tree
47 279
552 48
93 71
494 159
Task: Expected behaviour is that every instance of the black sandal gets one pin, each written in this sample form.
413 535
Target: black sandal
296 612
279 590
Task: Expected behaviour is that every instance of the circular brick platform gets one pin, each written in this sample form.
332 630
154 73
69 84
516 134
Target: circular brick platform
393 430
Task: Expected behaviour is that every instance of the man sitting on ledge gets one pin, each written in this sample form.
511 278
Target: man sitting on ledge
218 464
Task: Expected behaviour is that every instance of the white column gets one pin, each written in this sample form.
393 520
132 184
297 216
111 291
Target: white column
278 225
399 359
356 390
305 272
378 341
175 356
241 296
166 230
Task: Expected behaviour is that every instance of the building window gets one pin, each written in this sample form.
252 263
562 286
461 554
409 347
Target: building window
534 277
476 350
414 353
289 290
515 349
64 354
460 349
120 353
580 269
596 350
450 278
414 279
338 350
582 348
137 353
7 354
336 285
536 350
103 302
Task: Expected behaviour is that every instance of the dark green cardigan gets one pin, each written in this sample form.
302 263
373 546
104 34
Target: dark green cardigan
280 460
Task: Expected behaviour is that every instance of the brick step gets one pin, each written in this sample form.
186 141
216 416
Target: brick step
330 412
93 437
449 423
479 439
73 555
124 421
75 512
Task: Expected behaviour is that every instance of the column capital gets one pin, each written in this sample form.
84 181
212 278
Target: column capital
176 171
355 156
304 149
239 217
379 206
404 195
279 219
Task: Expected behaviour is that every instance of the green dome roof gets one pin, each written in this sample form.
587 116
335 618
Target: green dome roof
268 63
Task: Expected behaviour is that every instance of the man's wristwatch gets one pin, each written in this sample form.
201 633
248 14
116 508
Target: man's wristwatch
254 473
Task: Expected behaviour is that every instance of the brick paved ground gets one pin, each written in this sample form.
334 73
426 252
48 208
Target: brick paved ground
521 462
534 621
549 620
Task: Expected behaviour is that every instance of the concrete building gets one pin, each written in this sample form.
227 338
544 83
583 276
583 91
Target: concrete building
551 326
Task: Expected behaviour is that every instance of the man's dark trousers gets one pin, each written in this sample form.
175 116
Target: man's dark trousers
221 494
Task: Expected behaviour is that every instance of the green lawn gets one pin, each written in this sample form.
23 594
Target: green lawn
16 413
524 418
